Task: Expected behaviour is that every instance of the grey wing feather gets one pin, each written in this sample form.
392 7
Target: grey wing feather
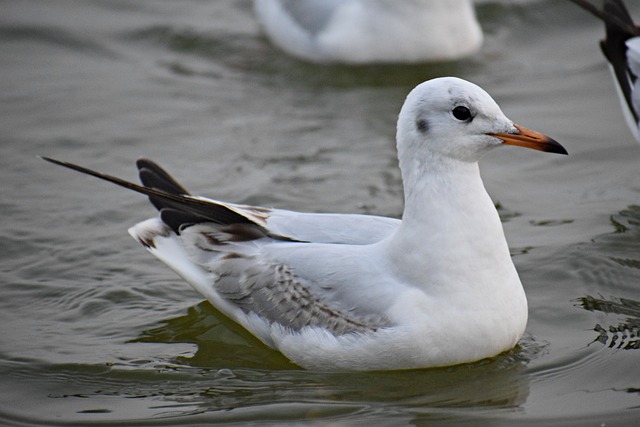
267 288
275 293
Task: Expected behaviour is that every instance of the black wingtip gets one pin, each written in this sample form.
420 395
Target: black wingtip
71 166
50 160
154 176
103 176
169 195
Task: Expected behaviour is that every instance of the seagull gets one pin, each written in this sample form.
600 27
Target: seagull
358 292
371 31
621 47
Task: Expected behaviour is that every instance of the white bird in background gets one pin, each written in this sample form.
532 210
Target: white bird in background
359 292
371 31
621 47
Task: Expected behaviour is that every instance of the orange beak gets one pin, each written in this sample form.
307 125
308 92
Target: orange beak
530 139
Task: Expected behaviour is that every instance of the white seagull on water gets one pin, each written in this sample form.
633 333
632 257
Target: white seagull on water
368 31
621 47
359 292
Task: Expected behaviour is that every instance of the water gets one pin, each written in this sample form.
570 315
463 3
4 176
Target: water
95 331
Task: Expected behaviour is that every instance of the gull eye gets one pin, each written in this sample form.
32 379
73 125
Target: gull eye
462 113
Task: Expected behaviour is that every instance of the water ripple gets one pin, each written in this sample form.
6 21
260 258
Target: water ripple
57 37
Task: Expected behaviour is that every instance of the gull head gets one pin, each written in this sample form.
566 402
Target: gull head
451 118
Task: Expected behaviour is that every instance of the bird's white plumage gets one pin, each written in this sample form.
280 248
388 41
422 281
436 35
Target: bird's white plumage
363 292
364 31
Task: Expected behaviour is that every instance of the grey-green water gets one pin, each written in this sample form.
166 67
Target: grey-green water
95 331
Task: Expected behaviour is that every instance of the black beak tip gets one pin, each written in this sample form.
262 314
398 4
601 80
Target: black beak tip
555 147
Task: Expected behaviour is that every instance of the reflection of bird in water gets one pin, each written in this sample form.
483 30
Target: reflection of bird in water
336 291
621 47
625 335
621 251
223 345
368 31
220 341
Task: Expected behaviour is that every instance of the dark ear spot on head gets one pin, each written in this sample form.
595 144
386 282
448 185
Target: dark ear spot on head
422 125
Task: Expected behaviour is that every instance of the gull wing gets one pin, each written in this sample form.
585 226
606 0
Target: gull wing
223 251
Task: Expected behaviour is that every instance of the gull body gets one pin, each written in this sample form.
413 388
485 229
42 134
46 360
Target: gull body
366 31
621 47
358 292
